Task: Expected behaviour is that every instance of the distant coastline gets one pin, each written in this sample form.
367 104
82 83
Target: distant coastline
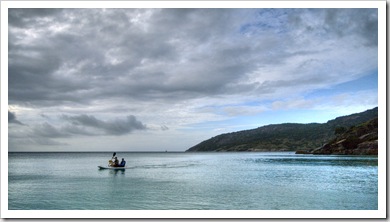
304 138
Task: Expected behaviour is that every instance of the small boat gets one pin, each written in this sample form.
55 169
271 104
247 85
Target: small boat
112 168
111 163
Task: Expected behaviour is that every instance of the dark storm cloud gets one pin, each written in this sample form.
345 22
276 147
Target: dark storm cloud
12 118
48 134
115 127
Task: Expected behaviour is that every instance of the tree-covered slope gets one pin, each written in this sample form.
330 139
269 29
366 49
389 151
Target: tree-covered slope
357 140
283 137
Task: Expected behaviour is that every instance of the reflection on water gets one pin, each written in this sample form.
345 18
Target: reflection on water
115 172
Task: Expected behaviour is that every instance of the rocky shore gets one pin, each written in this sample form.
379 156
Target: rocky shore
357 140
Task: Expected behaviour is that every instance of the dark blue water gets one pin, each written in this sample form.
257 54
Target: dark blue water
192 181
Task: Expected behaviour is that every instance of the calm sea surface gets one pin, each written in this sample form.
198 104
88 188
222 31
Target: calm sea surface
192 181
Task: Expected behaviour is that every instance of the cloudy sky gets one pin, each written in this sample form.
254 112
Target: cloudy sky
167 79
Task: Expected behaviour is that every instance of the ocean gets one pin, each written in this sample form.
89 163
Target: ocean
192 181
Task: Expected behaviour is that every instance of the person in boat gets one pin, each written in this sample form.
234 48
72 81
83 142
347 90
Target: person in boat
123 163
114 163
113 160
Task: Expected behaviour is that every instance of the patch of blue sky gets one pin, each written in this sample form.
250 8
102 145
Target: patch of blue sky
238 123
257 113
273 20
246 108
368 82
289 116
267 117
295 116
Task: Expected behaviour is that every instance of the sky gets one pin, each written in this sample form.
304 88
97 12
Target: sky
166 79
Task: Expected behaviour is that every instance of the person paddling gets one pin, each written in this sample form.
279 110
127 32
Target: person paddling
116 162
113 161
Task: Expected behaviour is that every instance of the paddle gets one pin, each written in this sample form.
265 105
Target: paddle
110 161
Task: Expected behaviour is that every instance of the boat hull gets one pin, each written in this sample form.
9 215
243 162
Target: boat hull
112 168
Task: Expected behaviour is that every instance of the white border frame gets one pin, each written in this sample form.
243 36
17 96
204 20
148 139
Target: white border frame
382 110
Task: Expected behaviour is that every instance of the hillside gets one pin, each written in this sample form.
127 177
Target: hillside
360 140
283 137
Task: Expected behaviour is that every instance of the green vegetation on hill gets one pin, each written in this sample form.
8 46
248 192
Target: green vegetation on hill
283 137
357 140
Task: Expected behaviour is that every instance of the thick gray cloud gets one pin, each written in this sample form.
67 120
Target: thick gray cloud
38 135
47 134
358 21
173 67
78 55
12 118
87 125
49 131
115 127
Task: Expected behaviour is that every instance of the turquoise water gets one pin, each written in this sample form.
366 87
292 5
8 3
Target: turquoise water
192 181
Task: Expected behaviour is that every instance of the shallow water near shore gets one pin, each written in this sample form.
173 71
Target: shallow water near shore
192 181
